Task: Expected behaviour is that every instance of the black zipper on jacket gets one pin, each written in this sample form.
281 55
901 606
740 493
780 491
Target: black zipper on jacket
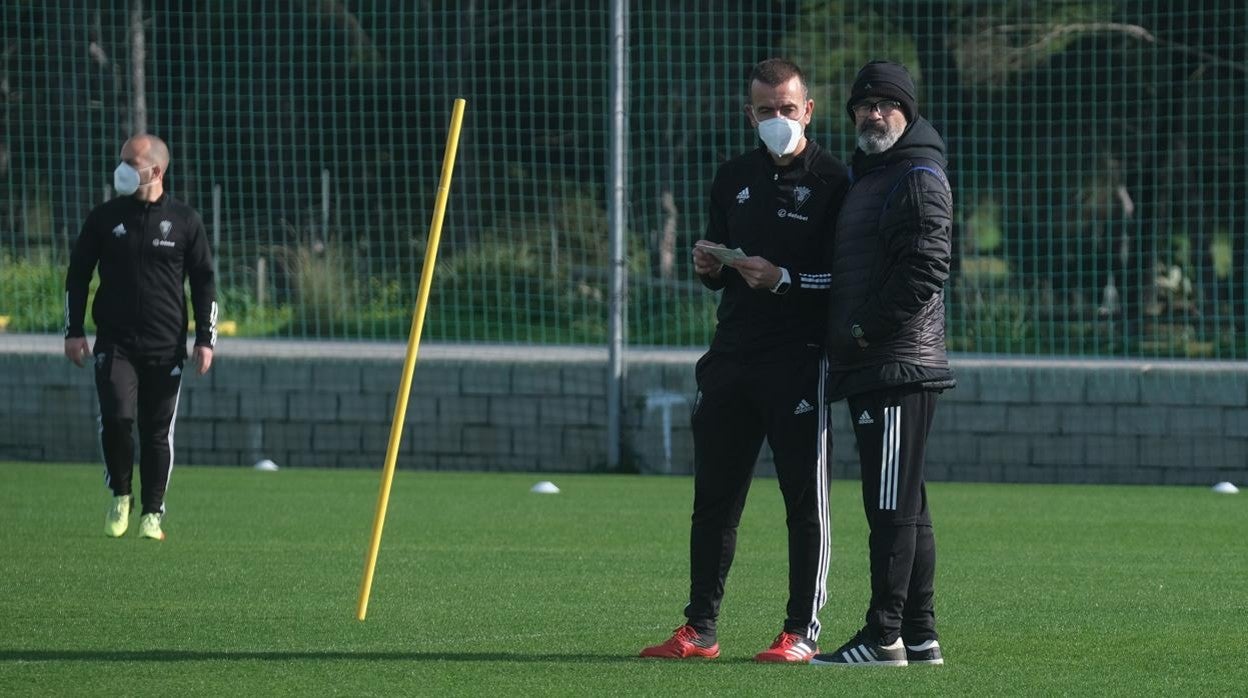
139 282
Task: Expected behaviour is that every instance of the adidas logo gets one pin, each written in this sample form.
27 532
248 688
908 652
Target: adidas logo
865 418
803 407
743 195
119 230
177 371
799 652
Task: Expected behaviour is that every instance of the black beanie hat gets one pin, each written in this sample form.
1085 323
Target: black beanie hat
888 80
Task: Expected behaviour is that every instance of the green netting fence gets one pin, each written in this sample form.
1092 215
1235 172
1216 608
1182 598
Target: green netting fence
1098 156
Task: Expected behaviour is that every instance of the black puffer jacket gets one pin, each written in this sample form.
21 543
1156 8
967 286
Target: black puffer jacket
889 262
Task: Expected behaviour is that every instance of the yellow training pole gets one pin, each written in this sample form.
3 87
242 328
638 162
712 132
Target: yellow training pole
409 363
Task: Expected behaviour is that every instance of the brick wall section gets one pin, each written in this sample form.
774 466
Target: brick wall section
536 409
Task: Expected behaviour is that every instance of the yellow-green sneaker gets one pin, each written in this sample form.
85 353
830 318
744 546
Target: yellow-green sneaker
118 518
149 527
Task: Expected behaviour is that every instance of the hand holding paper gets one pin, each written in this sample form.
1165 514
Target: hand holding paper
722 254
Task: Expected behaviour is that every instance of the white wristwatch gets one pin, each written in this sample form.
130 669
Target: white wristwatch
782 286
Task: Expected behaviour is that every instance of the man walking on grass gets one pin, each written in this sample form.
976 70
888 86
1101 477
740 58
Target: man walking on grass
146 244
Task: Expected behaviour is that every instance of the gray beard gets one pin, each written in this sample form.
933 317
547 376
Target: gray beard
873 142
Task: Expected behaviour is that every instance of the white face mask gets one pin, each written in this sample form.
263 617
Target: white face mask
780 135
126 179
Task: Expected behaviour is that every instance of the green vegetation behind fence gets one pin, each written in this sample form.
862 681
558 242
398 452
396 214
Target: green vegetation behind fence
1097 151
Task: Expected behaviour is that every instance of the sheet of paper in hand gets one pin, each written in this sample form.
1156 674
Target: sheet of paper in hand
723 254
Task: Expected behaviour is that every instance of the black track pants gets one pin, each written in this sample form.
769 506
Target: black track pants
738 405
143 390
891 428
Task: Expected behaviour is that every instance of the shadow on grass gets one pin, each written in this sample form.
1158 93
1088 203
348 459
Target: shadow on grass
296 655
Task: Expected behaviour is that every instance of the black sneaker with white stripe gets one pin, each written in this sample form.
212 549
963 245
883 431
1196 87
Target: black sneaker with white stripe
925 653
860 651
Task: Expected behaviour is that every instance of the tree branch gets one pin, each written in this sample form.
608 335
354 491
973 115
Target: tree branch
1132 30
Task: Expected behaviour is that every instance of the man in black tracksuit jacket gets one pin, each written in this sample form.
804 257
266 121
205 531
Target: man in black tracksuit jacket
886 352
762 377
146 244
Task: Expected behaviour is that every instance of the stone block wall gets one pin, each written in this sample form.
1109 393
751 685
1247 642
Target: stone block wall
544 409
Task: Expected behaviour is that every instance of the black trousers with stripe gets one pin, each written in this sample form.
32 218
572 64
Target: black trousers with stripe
891 428
738 405
143 390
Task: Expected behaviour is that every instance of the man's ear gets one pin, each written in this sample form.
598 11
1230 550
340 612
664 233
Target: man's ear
748 110
810 112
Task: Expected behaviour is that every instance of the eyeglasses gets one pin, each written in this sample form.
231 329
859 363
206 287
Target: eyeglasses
884 106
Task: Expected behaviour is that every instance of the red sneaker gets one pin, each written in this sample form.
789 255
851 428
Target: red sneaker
683 644
788 647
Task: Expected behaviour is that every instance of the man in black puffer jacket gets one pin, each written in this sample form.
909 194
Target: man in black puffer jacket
886 353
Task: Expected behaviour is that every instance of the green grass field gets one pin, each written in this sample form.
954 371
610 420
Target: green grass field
485 589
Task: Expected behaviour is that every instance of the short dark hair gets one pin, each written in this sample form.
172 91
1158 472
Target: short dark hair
774 72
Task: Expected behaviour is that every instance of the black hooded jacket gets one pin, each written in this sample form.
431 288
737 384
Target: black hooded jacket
889 261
